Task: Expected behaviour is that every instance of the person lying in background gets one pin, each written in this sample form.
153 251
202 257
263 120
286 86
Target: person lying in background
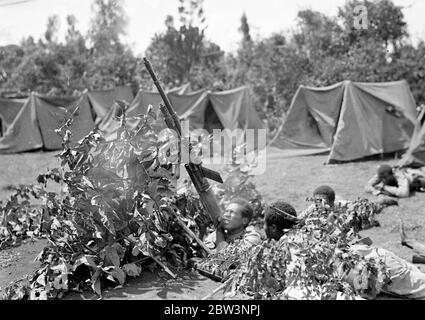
406 279
416 178
388 182
416 246
233 226
396 182
326 195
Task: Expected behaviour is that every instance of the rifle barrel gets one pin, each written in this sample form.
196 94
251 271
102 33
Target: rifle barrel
163 95
196 172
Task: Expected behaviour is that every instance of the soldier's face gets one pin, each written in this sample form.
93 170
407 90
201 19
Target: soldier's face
387 178
232 218
271 232
321 198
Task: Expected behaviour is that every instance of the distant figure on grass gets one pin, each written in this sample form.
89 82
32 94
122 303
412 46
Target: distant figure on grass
396 182
234 226
406 279
326 195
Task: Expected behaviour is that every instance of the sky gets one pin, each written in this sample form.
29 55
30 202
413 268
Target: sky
22 18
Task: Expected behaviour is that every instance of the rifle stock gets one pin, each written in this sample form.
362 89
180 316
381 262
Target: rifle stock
198 175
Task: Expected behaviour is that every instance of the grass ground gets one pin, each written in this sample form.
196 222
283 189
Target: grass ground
290 179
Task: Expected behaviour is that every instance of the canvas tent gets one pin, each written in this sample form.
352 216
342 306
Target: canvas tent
34 125
350 120
103 100
415 154
203 109
138 105
9 109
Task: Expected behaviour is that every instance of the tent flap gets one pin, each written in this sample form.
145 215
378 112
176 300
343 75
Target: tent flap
103 100
9 109
23 134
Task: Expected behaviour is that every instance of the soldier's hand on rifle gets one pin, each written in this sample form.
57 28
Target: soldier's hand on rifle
202 221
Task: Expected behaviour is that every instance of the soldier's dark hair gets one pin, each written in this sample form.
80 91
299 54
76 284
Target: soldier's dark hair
281 214
325 191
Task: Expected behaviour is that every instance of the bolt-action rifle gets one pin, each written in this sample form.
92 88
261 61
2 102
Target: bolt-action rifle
196 172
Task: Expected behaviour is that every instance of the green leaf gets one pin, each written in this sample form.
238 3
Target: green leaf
96 285
113 254
135 252
117 273
150 112
41 279
62 267
132 270
61 282
147 154
87 182
88 260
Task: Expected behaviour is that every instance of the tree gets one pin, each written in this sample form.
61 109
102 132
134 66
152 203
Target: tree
182 54
408 62
107 26
62 68
74 57
52 29
245 52
10 57
385 25
244 29
318 35
110 62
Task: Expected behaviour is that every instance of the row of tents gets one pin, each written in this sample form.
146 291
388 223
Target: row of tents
348 120
30 124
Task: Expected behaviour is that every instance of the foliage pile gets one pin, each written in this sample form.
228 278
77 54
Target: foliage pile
118 213
359 214
19 219
221 264
362 213
312 261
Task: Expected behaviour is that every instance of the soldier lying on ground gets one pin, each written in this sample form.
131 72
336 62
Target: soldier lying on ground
234 225
406 279
323 194
396 182
326 195
279 218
